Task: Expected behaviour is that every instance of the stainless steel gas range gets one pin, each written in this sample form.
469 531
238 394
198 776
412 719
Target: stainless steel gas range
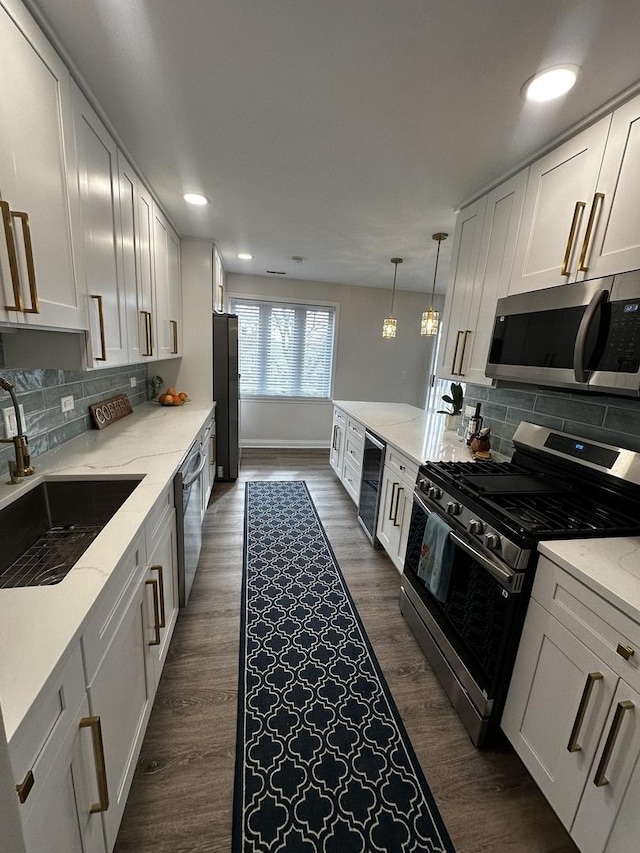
557 486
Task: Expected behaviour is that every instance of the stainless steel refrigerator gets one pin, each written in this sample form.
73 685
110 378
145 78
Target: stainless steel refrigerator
226 393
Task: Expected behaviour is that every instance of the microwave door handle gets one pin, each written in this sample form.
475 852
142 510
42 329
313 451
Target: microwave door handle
579 367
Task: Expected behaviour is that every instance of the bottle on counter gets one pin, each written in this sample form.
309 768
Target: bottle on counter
475 424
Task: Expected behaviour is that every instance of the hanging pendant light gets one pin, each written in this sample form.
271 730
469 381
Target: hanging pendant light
390 324
431 318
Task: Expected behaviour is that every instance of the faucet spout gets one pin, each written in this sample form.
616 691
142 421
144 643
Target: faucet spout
21 466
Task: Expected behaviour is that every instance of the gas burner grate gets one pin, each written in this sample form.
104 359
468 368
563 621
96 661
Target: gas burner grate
50 558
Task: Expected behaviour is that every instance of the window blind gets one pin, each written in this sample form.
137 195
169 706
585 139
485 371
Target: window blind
285 349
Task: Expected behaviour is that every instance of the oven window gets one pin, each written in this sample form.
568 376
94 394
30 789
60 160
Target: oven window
476 617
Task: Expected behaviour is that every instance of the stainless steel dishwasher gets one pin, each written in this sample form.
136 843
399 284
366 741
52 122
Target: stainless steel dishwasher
189 485
370 486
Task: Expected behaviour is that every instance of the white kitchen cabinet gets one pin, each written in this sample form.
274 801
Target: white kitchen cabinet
573 698
351 472
41 276
209 471
614 244
556 211
338 432
136 214
162 593
166 250
396 502
98 180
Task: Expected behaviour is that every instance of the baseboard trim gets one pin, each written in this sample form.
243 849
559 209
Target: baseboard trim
284 444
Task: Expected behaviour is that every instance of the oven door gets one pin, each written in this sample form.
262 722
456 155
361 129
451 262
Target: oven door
471 638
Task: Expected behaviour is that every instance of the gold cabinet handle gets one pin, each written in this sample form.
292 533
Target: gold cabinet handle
333 437
467 332
455 352
159 570
13 257
101 768
174 326
577 210
395 514
393 494
625 652
31 269
156 612
103 345
24 788
598 198
600 779
147 333
573 745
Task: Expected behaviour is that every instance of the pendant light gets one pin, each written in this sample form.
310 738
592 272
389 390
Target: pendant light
390 324
431 318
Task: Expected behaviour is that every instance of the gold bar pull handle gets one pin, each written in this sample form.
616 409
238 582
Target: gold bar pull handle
395 514
103 346
573 745
577 211
174 329
101 768
393 494
24 788
625 652
334 436
455 352
597 201
31 269
467 332
163 615
5 210
147 332
156 612
600 779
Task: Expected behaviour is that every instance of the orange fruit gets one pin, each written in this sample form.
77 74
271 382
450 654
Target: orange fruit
171 391
168 398
161 398
183 396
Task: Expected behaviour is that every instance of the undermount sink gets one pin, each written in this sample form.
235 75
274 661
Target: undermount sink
46 531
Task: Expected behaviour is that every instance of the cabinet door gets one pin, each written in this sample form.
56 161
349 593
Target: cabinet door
612 783
404 517
462 275
167 287
615 242
548 694
137 262
336 453
101 230
500 230
37 180
121 694
162 595
58 815
388 526
560 188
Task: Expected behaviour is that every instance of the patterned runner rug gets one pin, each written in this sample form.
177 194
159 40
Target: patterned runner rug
323 762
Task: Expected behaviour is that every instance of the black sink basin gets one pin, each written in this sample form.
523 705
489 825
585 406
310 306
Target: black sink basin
46 531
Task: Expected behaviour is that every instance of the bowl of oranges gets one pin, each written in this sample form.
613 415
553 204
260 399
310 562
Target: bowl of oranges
171 397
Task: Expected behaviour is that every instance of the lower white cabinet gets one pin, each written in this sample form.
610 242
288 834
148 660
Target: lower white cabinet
162 594
347 449
573 710
338 431
396 502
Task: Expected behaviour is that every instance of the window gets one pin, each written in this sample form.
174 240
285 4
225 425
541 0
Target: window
285 349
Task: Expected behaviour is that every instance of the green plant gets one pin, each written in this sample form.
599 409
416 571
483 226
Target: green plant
454 400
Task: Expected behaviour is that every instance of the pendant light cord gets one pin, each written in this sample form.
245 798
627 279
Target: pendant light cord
393 292
435 273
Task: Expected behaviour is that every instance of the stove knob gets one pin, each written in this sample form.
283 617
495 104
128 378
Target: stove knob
492 541
454 508
424 486
476 527
435 493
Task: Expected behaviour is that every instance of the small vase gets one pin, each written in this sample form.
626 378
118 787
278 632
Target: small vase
452 422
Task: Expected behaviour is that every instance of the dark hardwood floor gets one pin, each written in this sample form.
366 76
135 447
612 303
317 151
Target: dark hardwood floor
181 797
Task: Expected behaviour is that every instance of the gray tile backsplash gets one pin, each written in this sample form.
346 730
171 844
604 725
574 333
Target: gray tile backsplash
613 420
41 390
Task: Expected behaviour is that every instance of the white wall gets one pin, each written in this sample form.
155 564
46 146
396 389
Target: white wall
367 367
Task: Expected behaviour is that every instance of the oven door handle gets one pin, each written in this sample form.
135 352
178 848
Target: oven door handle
489 565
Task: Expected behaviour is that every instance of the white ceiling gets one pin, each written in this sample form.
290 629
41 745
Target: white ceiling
344 131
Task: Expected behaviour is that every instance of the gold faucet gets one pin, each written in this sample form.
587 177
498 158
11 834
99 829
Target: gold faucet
22 466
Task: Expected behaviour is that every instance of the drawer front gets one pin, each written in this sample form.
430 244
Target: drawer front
351 480
339 417
157 516
42 732
353 451
112 605
600 626
355 430
403 467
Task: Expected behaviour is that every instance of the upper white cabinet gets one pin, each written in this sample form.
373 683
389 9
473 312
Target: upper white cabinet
40 281
99 184
483 253
613 243
166 244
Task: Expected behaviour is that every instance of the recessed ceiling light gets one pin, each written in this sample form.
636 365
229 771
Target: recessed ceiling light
550 83
195 198
245 256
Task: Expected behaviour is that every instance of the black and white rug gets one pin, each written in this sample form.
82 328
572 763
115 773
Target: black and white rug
323 761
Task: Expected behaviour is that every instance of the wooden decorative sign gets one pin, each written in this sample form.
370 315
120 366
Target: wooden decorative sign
109 411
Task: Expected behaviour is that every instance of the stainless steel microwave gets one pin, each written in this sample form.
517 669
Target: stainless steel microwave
583 336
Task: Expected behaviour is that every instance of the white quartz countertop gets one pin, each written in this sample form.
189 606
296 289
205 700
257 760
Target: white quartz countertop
418 434
38 624
610 567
